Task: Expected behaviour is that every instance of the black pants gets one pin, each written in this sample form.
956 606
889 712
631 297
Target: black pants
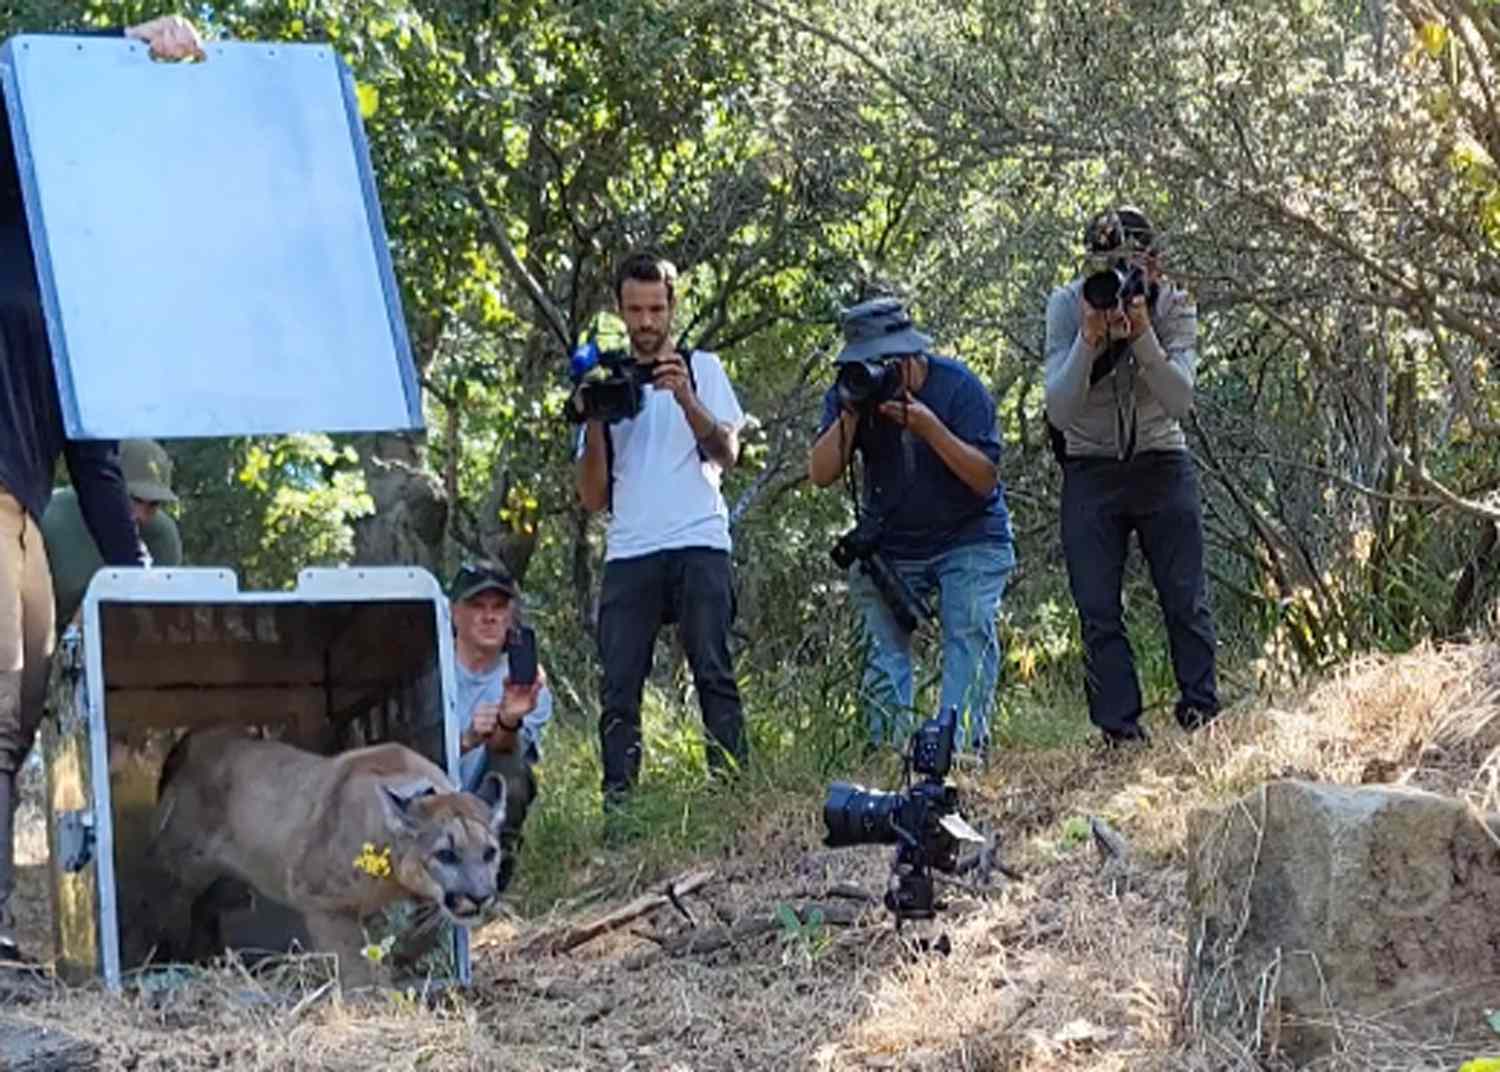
1154 494
691 586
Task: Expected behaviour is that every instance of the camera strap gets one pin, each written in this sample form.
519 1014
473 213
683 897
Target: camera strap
1125 406
609 436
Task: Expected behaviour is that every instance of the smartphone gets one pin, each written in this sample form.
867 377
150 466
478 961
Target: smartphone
520 646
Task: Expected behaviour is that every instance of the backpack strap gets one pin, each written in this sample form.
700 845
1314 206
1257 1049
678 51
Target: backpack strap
609 468
687 359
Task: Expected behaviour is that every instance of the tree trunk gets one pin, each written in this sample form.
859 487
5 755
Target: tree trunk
411 511
1472 579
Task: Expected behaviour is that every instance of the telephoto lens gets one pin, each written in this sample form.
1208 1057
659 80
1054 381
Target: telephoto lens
1110 287
855 815
1102 289
866 384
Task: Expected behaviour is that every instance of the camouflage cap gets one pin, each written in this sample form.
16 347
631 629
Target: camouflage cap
147 469
1119 231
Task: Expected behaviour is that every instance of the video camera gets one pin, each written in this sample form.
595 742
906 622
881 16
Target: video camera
1115 286
611 384
922 821
863 385
862 544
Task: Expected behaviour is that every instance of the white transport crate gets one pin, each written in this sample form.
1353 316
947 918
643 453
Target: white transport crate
352 656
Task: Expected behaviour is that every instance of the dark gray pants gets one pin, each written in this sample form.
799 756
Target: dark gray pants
690 586
1155 494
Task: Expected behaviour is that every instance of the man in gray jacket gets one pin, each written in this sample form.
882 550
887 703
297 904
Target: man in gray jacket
1121 354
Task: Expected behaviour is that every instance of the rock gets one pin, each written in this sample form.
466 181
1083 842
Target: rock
1314 903
28 1048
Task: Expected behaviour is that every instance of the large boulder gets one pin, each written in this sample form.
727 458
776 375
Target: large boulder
1315 908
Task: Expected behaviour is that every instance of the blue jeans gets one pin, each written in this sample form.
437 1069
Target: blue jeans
970 580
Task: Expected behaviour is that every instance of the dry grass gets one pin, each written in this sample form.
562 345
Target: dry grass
1077 967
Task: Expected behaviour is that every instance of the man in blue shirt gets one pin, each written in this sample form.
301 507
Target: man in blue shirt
933 504
503 719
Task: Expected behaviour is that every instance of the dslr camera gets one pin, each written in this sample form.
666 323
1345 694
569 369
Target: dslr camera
611 384
922 820
862 544
1115 286
864 385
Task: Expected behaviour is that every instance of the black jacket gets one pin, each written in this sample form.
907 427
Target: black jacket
31 427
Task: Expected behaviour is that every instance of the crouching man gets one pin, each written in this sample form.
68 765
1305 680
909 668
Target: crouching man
503 720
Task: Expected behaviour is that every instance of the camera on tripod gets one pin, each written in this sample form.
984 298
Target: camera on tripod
922 821
862 544
611 384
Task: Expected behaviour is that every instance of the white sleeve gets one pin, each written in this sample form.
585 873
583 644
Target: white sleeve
715 391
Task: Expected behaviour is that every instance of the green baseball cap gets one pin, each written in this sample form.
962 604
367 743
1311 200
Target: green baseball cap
147 470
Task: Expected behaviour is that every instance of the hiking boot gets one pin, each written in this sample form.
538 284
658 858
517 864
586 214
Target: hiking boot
1192 718
1131 737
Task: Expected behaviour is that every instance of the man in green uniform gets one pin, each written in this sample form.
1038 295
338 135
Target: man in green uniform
71 550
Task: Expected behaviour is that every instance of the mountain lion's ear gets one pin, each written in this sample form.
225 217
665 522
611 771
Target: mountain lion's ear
395 801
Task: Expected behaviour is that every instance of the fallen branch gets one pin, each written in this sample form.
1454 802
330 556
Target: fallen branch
1112 844
704 940
566 938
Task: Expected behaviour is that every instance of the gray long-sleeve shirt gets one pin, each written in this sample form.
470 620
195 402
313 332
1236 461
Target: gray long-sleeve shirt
1154 379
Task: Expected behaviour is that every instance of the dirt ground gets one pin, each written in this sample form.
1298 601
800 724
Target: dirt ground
1078 965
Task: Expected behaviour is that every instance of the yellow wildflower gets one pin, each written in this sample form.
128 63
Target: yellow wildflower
374 862
375 953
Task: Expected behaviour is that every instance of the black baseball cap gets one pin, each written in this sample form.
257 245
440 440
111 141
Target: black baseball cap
475 577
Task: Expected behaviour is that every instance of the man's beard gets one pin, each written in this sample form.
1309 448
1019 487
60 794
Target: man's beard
649 343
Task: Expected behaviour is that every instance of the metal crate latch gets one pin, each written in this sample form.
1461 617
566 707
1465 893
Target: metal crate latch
75 839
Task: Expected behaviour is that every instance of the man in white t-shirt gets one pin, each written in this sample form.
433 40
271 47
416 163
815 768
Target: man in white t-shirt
667 549
503 720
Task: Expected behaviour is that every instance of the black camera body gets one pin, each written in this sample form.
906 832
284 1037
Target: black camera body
862 544
619 394
864 385
912 820
1115 286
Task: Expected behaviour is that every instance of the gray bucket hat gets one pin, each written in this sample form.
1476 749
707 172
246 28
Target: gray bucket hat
879 328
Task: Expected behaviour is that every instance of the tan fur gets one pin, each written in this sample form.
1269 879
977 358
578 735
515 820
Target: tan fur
290 824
